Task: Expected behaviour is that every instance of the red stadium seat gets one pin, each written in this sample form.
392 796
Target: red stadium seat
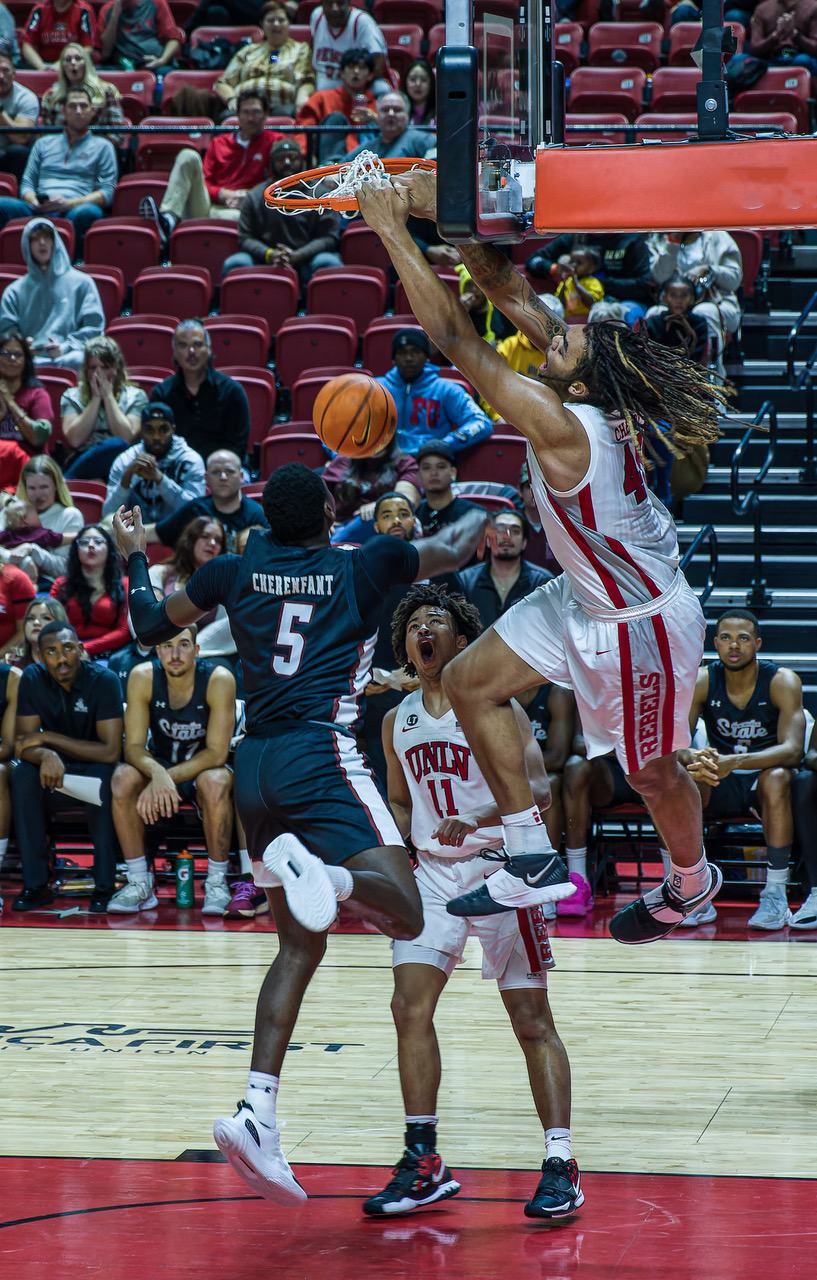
259 385
496 44
306 389
110 281
447 274
130 189
403 41
683 37
498 459
779 89
312 342
567 45
609 120
360 246
454 375
8 185
158 151
277 450
425 13
148 376
144 339
271 292
11 248
603 89
129 243
137 90
238 337
36 81
674 89
179 291
357 292
631 11
631 44
234 34
10 271
176 80
89 503
204 242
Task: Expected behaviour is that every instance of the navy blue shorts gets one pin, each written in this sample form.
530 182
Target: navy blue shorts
735 794
313 781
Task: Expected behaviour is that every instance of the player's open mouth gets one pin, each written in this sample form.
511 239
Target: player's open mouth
425 647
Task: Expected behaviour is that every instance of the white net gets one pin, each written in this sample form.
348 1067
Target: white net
341 184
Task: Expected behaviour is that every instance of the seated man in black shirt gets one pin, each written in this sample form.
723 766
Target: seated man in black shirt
225 501
179 720
69 722
494 586
210 409
440 505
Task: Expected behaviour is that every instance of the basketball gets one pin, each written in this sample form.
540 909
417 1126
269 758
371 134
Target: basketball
354 415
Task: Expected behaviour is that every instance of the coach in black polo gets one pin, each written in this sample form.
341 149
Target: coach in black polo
210 409
69 720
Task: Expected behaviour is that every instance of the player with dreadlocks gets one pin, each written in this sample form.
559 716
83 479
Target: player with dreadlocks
620 626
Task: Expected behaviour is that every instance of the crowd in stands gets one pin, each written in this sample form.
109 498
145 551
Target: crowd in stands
180 437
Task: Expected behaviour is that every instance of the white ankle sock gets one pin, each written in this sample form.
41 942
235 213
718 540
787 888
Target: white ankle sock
777 878
342 881
244 859
138 870
665 859
215 870
557 1144
688 882
577 862
525 832
262 1092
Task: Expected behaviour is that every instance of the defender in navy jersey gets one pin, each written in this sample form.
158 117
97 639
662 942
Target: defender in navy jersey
304 616
755 724
9 679
620 626
179 722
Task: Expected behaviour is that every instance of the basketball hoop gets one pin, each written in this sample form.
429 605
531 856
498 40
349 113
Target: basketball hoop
335 186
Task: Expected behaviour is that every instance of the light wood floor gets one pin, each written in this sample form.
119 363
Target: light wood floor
687 1057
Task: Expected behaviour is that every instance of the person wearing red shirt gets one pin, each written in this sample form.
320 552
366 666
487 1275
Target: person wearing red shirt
53 25
352 101
217 186
94 593
16 594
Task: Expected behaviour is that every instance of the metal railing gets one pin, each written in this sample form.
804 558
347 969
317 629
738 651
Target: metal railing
804 381
705 535
757 597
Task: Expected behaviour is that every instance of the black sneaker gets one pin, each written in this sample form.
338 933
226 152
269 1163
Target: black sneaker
525 880
659 912
420 1179
99 902
559 1192
149 210
31 899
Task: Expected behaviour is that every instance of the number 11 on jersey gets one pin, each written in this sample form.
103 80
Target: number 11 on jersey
451 810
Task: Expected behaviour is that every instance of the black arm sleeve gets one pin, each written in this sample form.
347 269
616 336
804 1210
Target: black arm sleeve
381 564
149 615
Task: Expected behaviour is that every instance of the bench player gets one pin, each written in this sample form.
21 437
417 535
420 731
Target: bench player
439 797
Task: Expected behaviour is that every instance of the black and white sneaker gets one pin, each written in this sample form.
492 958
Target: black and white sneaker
524 880
660 911
420 1179
254 1151
559 1192
149 210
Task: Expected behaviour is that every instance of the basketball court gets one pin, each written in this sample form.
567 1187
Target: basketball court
693 1059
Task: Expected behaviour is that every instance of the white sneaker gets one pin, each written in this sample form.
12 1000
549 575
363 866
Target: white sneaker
309 891
254 1151
216 897
704 915
806 916
772 912
136 895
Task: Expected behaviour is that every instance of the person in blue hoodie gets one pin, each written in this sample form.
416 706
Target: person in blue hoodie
55 305
430 407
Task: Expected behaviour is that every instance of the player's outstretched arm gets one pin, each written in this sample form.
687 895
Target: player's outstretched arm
531 407
452 547
397 787
490 269
153 620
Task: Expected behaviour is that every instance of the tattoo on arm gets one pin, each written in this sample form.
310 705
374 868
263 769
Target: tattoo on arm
492 271
489 268
540 315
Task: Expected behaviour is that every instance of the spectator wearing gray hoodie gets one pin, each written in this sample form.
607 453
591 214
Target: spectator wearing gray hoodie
55 305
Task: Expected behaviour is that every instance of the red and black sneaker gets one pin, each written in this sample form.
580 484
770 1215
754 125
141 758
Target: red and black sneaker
559 1192
420 1179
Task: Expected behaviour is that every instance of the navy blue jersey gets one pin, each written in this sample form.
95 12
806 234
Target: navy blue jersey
177 733
304 620
735 730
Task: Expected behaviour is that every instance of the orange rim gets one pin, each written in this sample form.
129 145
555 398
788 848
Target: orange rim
276 195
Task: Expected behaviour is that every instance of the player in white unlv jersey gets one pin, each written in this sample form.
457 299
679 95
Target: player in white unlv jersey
620 625
440 798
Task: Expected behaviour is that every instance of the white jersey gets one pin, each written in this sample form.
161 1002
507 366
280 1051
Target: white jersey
328 46
443 778
615 541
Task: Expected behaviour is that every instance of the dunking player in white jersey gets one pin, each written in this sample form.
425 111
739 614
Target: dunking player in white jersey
440 798
620 625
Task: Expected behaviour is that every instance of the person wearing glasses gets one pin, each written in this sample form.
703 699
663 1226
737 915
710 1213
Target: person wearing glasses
26 416
94 593
210 409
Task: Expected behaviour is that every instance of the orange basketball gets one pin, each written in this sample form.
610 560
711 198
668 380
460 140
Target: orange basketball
354 415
